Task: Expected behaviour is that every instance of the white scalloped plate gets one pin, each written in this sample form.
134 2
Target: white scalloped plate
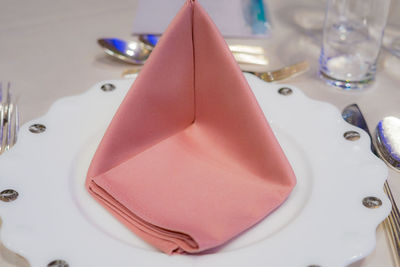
322 223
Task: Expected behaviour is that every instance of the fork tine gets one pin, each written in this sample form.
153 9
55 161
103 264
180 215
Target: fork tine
16 123
13 119
1 120
9 127
289 70
13 125
281 76
283 73
7 100
9 118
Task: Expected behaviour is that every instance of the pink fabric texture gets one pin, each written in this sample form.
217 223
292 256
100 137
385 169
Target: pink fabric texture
189 160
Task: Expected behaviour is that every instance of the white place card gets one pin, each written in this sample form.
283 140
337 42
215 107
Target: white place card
234 18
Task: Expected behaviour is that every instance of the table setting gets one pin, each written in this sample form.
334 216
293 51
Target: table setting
200 133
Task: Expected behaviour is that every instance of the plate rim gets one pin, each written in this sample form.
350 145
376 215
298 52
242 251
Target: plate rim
362 145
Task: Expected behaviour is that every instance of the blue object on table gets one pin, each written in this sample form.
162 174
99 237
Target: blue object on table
258 17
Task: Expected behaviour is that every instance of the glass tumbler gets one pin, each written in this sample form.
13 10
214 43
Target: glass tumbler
352 38
393 27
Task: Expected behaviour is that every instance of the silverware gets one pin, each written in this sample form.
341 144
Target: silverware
352 114
283 73
137 52
152 40
130 52
9 119
270 76
392 226
149 39
129 73
253 59
387 134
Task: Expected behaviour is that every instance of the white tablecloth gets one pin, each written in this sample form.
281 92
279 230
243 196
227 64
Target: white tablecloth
48 50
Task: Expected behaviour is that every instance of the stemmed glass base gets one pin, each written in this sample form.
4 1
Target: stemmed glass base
346 84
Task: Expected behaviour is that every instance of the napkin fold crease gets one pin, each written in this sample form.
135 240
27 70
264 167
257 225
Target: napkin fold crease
189 160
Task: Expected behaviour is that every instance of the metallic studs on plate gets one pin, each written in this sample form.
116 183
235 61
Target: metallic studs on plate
108 87
8 195
58 263
372 202
37 128
285 91
352 135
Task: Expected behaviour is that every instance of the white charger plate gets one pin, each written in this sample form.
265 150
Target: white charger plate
323 223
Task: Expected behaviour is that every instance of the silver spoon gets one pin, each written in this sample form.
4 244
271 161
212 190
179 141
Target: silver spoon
130 52
137 52
387 140
387 137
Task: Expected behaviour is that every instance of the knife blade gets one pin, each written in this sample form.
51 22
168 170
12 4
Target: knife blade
352 114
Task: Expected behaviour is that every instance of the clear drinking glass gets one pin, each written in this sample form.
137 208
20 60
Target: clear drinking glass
395 47
394 28
352 38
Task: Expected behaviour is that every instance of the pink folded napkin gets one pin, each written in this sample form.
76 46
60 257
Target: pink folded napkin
189 160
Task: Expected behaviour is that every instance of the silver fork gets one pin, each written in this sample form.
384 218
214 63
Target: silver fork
283 73
9 119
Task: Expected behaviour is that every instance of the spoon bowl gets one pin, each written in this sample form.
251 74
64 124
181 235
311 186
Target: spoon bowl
130 52
387 137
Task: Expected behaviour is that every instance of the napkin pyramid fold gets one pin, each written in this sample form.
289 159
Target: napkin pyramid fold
189 160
